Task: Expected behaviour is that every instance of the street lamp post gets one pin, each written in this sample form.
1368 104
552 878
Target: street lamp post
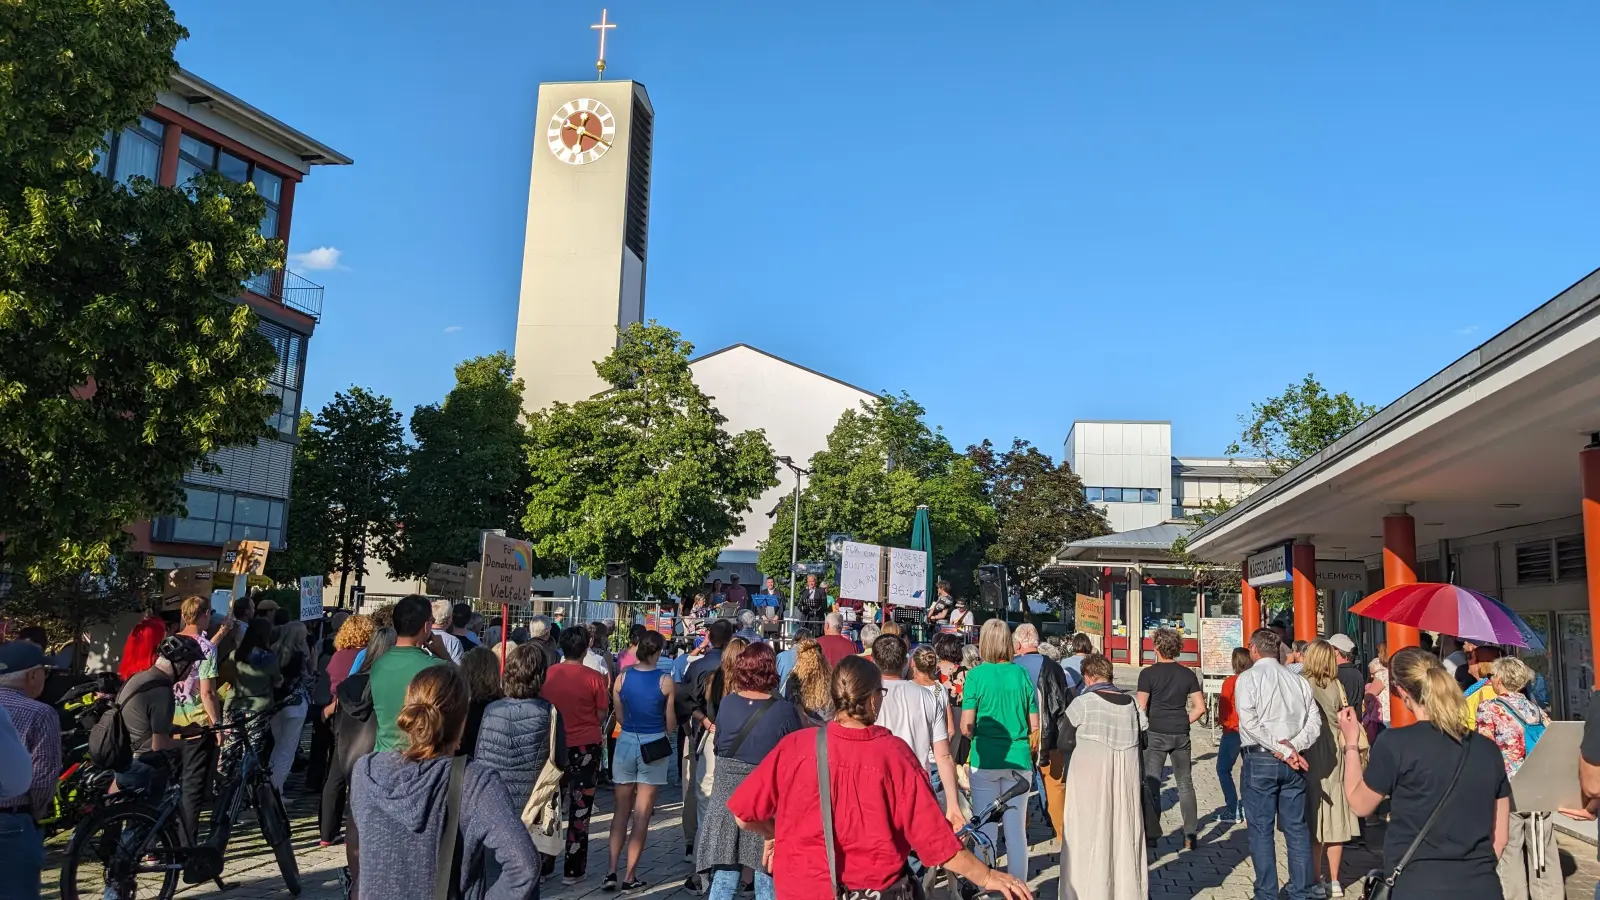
794 545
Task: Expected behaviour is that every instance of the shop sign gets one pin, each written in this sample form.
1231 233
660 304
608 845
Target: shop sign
1270 567
1341 575
1089 615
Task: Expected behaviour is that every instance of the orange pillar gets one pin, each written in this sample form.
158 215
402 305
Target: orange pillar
1249 602
1400 567
1589 462
1305 592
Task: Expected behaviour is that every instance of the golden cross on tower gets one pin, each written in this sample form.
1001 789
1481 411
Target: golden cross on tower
603 27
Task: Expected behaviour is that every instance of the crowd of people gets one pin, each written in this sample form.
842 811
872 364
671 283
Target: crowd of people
850 745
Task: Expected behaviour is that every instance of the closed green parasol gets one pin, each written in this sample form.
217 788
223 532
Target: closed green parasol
922 539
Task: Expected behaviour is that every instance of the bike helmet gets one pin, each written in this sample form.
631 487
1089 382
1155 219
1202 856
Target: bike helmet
180 650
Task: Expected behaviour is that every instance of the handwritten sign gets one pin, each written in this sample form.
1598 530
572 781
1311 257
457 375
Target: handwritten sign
859 572
244 557
507 571
449 582
908 577
1218 638
310 597
1089 615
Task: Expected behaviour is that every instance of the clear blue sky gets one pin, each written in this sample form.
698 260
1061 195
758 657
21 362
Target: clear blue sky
1021 213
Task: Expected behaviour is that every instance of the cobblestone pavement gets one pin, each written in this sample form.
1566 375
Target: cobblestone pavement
1220 868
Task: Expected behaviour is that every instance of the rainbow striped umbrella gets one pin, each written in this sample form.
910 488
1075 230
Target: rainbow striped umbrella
1449 609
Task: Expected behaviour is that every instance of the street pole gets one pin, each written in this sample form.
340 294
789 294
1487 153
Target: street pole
794 545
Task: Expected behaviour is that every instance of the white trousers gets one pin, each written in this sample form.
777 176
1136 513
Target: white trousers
287 725
987 786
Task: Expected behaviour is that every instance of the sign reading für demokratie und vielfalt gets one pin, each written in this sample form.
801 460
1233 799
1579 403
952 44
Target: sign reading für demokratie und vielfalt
506 571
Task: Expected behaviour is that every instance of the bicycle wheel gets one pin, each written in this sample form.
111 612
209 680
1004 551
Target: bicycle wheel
275 829
118 853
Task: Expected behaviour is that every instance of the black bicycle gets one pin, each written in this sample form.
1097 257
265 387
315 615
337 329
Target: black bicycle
939 883
132 846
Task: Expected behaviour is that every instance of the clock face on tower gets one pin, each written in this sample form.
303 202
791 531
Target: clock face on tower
581 132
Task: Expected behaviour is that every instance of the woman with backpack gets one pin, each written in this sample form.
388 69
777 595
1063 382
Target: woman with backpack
1528 866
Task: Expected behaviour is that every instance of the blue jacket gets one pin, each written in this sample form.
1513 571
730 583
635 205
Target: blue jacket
514 741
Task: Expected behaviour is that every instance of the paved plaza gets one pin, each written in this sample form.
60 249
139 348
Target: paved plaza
1219 869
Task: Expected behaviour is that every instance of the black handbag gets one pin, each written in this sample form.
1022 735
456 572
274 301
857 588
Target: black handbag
656 750
1378 885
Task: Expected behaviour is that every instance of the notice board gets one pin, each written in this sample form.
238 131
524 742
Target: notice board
1218 639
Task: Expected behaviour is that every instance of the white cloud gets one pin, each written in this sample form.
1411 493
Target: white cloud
452 329
1470 329
318 260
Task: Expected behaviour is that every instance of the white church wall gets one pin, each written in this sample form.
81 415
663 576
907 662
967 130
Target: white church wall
796 408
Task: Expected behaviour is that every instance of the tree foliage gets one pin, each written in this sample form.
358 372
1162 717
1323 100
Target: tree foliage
468 470
883 461
643 473
66 605
308 535
1039 505
1301 421
123 360
347 476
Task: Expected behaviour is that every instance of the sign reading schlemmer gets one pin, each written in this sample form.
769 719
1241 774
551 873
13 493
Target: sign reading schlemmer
506 571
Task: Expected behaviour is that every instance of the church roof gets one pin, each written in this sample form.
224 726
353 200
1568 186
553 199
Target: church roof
787 362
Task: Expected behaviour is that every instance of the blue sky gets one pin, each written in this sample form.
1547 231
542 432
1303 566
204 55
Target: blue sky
1020 213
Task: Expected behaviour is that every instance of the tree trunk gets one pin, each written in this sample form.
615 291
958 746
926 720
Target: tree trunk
344 574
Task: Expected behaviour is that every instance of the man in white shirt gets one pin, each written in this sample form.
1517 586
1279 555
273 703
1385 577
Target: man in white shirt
912 714
1278 720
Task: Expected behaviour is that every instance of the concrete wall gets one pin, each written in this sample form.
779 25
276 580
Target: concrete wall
573 273
796 408
1125 455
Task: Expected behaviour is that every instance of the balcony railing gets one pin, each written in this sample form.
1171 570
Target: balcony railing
294 291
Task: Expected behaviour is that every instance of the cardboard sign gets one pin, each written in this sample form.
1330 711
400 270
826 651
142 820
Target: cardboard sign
474 585
507 569
859 571
1090 615
908 577
449 582
310 597
189 581
1218 639
244 557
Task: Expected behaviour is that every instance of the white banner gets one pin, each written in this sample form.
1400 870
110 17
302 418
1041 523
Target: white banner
859 569
310 597
908 577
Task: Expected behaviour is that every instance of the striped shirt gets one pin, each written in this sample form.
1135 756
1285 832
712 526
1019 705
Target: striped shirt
40 728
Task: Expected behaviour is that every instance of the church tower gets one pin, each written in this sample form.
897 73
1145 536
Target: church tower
584 253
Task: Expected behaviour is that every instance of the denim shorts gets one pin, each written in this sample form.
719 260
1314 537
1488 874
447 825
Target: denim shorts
628 765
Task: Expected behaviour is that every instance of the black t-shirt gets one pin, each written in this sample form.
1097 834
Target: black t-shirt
1169 685
1354 684
735 711
146 707
1413 766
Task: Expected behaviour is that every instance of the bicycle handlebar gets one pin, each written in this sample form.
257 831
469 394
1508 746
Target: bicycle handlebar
238 721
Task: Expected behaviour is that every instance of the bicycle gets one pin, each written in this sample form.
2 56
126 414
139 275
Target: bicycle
138 845
81 784
939 883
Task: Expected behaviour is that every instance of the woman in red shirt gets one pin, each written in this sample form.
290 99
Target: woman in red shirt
883 806
1228 747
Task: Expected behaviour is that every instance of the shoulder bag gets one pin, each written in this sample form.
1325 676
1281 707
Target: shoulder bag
750 724
1378 885
541 815
656 750
445 862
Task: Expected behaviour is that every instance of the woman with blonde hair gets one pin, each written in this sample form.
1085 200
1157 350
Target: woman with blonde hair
1000 714
807 687
298 669
1440 764
1328 812
401 799
352 638
1529 866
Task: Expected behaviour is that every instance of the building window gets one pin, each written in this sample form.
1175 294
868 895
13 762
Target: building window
216 517
284 381
135 151
196 156
1122 495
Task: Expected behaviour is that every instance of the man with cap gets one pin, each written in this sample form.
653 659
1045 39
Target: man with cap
22 676
1350 675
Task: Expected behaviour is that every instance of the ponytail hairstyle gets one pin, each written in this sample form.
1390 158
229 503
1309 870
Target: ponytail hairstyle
1425 680
435 713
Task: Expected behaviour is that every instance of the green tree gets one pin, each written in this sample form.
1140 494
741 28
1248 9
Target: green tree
123 359
351 461
1301 421
643 473
65 606
468 470
881 462
1039 505
308 536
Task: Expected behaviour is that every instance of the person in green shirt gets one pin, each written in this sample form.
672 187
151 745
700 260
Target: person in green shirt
1000 715
393 671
